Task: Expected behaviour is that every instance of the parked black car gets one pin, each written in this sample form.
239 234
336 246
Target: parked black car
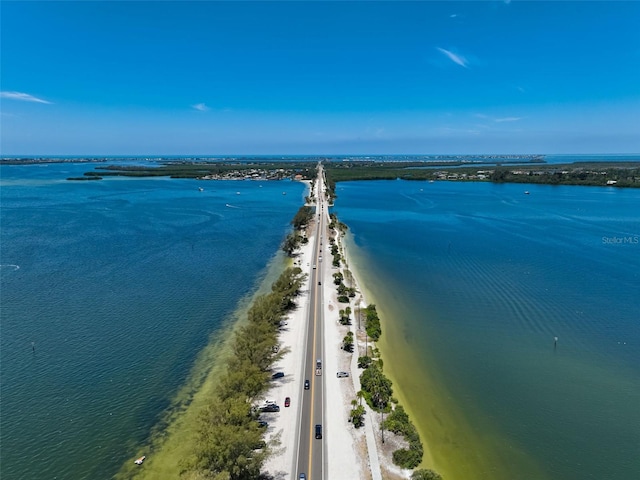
270 408
277 375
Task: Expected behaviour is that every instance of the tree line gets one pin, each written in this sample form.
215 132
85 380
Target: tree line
624 173
300 221
230 444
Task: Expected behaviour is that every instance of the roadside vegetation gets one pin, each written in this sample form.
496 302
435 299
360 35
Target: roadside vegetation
344 293
345 316
398 422
425 474
377 391
230 443
372 322
300 222
336 225
376 388
347 342
356 416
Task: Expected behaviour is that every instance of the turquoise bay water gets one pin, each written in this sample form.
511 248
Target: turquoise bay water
118 283
476 280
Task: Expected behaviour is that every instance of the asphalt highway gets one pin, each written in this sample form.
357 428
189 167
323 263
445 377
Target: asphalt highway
310 458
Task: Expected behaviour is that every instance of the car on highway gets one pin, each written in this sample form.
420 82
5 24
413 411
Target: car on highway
270 408
302 477
277 375
342 374
318 431
287 401
306 384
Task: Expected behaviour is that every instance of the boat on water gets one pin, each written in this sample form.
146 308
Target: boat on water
201 189
139 461
526 192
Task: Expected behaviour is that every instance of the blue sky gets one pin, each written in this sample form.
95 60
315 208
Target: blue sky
214 78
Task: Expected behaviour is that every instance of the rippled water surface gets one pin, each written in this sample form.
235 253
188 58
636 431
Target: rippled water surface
475 281
109 290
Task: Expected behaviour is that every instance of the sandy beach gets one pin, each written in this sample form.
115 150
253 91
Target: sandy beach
350 452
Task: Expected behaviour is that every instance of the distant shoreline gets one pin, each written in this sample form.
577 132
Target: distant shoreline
619 171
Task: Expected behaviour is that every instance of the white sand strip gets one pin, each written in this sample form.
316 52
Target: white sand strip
286 422
350 453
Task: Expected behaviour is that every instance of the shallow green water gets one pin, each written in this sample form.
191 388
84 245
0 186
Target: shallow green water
473 282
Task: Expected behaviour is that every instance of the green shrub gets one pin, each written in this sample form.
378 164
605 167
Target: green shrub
398 422
364 362
302 218
374 330
425 474
407 458
356 416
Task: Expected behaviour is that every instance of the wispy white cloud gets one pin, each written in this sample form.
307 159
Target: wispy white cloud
507 119
497 119
201 107
24 97
457 59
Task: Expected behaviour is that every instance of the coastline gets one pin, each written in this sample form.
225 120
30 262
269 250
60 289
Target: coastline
170 440
342 443
446 434
351 452
366 297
